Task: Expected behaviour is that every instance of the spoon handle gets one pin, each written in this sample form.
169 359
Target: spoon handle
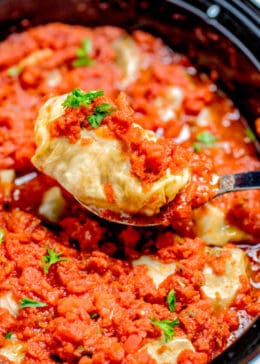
239 181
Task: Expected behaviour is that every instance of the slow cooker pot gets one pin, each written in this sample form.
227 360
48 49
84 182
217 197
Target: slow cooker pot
220 35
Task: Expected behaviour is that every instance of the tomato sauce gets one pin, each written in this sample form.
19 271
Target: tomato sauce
96 307
149 159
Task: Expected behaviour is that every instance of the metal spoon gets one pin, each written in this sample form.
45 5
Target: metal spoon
227 183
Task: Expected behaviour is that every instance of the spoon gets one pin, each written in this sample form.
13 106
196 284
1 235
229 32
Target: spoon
227 183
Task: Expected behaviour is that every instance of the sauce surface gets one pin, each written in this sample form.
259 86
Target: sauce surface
106 160
92 303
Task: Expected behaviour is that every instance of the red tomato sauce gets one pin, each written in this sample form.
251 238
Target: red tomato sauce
149 160
97 306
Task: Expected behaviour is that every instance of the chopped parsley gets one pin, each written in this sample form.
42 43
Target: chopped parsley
2 234
77 98
100 112
196 147
27 302
82 53
14 71
8 335
250 135
204 139
94 315
171 300
167 327
51 258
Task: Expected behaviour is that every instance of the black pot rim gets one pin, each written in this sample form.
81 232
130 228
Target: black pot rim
235 11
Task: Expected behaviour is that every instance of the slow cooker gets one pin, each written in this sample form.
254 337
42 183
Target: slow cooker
216 35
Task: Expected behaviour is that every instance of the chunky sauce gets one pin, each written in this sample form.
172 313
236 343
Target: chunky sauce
95 306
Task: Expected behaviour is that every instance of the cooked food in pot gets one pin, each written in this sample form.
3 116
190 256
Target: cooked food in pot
76 289
96 168
95 150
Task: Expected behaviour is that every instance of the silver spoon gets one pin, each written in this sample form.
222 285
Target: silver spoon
227 183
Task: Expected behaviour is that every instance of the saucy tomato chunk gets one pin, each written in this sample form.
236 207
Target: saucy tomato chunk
76 289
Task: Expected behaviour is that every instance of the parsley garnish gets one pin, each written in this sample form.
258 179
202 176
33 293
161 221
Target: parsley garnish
83 54
167 327
8 335
171 299
196 147
94 315
2 234
27 302
100 112
14 71
204 138
78 98
251 136
50 259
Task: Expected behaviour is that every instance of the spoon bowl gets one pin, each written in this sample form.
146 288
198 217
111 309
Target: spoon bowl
227 183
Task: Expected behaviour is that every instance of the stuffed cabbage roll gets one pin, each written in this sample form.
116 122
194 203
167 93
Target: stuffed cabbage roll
94 149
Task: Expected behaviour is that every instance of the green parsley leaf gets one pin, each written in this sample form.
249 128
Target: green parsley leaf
81 62
83 54
2 234
100 112
8 335
94 315
251 136
105 108
14 71
27 302
50 259
95 120
77 98
167 327
87 45
171 300
206 138
196 147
